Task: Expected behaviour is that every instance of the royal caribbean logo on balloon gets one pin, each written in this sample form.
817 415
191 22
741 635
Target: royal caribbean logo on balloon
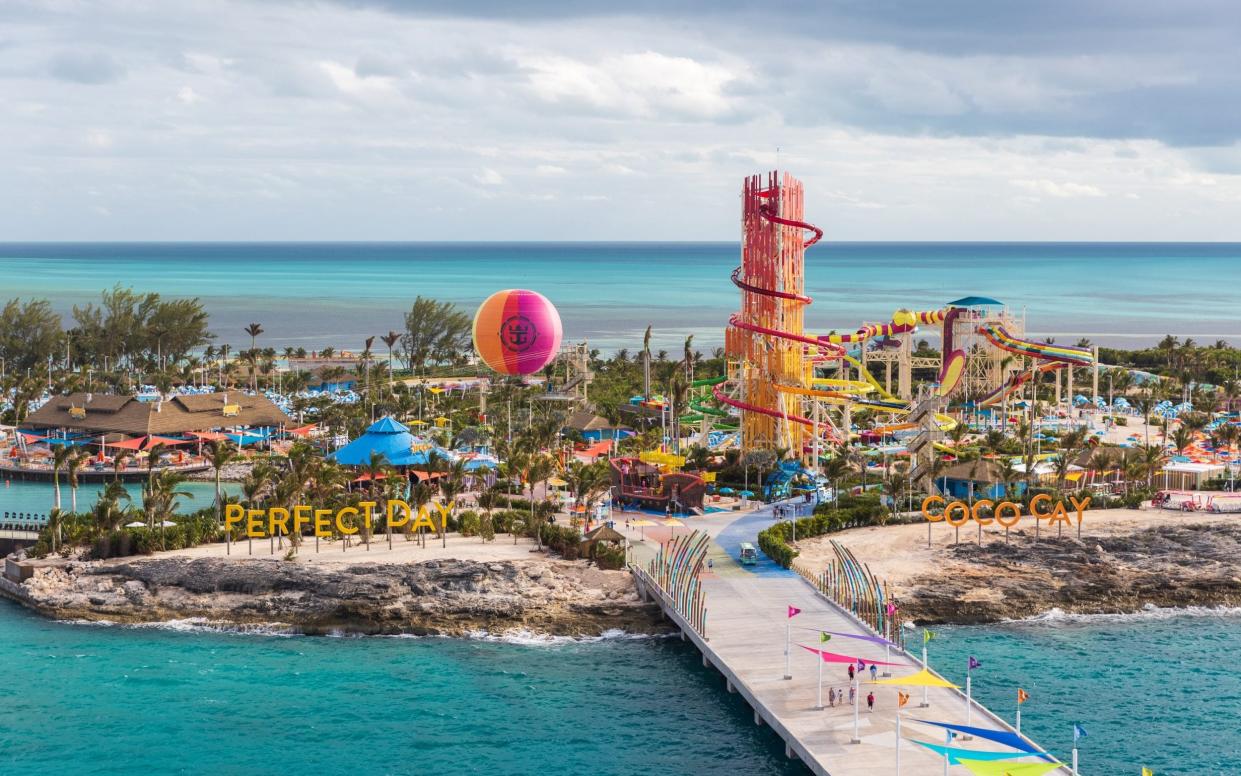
518 333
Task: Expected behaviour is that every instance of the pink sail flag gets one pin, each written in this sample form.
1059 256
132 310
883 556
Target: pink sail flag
832 657
794 611
891 608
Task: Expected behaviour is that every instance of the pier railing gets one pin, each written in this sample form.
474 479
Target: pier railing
674 573
850 584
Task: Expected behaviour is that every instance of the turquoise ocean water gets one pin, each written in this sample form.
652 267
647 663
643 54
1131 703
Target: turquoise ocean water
318 294
1160 690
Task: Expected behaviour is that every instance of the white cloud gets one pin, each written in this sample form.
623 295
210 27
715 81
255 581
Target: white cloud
349 121
489 177
1052 188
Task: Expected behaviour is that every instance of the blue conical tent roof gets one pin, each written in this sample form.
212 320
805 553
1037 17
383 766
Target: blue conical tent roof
387 425
388 438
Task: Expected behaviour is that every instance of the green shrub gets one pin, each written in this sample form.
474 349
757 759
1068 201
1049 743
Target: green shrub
561 539
609 556
469 522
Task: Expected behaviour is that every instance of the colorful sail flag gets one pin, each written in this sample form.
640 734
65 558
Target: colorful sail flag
1022 695
861 664
824 638
927 636
1079 732
891 608
901 699
1147 771
974 663
794 611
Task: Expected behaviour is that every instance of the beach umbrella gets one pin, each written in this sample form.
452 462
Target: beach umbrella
746 493
167 524
726 491
136 524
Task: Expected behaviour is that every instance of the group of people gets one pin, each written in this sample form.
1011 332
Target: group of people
834 695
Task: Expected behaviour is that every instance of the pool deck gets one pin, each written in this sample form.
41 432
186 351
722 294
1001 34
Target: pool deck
745 641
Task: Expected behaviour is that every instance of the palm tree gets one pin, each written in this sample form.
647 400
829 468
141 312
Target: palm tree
540 469
60 458
390 339
835 469
254 330
118 463
159 498
108 513
220 453
452 484
646 363
73 467
1153 458
375 469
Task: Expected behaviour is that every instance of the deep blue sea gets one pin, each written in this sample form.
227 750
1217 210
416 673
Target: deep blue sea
319 294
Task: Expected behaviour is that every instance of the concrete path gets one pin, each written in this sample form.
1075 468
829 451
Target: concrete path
746 620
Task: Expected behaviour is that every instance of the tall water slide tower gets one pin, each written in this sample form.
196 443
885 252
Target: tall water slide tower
774 238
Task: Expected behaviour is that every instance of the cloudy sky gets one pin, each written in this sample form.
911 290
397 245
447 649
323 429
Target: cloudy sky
395 120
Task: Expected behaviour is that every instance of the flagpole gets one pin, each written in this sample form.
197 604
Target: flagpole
788 637
820 706
948 743
857 696
898 742
1018 717
969 696
887 648
1074 759
926 701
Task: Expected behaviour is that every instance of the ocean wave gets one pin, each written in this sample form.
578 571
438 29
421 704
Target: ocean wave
198 625
1056 616
528 638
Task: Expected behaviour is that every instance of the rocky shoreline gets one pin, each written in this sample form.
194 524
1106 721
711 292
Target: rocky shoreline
435 597
1173 566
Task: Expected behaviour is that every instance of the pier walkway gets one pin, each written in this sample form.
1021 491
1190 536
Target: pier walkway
744 639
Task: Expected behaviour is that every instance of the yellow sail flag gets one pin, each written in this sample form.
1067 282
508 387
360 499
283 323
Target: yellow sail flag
923 678
1002 768
1147 771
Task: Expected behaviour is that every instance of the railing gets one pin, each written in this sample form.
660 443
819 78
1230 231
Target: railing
22 521
674 571
851 585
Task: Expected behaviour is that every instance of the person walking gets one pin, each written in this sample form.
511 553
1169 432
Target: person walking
870 702
850 672
831 697
852 694
874 672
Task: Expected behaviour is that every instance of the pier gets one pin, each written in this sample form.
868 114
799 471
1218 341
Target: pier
741 632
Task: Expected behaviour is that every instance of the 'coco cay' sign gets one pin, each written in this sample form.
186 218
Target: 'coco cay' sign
274 521
1006 513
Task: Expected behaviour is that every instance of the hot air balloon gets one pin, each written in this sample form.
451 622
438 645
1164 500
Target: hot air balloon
517 332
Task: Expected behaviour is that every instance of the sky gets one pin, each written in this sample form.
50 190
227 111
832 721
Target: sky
534 120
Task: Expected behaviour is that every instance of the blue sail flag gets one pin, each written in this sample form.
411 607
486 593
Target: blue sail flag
1078 732
999 736
956 754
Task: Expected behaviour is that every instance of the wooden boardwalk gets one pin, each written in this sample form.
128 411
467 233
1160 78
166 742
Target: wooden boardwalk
745 639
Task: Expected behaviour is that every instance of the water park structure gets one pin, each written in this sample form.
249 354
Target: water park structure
797 391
